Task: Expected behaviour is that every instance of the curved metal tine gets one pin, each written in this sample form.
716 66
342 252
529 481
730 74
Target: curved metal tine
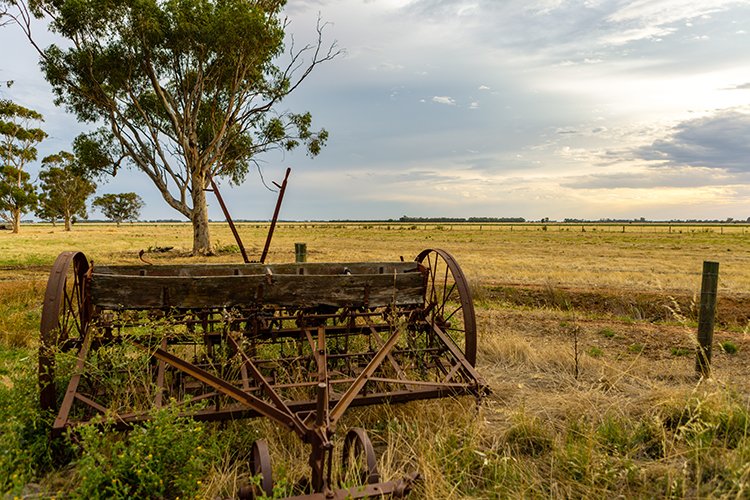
358 438
260 463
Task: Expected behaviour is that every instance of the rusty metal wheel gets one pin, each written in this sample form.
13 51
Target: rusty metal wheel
65 316
260 463
448 301
358 457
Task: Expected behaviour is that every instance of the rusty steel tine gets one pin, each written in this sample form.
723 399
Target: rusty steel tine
160 377
257 404
361 380
271 228
357 438
258 376
224 209
67 404
260 463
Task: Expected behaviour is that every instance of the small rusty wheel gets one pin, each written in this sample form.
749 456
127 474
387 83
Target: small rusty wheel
448 301
358 457
65 316
260 463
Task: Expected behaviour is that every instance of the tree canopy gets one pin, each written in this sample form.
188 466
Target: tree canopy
187 89
64 190
119 207
18 141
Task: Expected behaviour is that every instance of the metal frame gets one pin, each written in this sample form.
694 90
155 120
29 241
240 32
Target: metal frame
301 367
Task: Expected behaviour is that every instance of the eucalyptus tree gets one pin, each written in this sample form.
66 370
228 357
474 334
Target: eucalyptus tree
18 140
187 90
64 190
119 207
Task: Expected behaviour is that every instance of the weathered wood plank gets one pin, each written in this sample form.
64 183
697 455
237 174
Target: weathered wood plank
306 268
286 290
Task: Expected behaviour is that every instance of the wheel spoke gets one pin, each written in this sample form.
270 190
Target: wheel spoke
447 318
72 321
445 287
446 299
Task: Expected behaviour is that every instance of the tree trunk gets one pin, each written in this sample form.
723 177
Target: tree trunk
199 218
67 222
16 219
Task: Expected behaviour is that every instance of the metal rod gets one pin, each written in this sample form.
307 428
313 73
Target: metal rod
258 376
706 317
67 404
263 408
215 189
282 188
361 380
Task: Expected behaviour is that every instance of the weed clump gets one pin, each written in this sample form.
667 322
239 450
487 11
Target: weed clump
528 437
729 347
163 458
25 452
607 333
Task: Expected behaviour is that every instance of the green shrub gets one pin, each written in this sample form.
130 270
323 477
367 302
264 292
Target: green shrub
163 458
528 437
681 351
25 451
729 347
607 333
595 352
635 348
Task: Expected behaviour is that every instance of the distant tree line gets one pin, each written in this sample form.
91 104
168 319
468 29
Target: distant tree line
643 220
406 218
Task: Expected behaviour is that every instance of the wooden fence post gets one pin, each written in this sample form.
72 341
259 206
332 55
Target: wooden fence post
706 316
300 252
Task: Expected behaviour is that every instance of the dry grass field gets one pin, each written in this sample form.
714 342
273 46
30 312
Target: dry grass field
586 337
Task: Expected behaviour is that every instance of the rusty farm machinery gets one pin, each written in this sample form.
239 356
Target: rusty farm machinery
296 343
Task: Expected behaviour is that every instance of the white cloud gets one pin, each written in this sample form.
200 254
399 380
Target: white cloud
444 99
474 105
484 87
388 67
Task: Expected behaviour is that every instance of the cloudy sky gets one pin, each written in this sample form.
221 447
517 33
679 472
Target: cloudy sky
525 108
